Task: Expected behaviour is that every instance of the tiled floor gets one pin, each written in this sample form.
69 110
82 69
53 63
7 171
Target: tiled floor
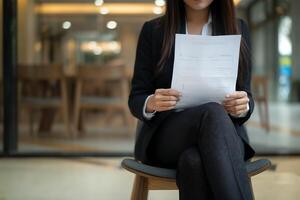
103 179
284 135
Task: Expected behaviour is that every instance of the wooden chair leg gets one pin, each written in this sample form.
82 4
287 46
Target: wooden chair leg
31 122
267 115
109 116
265 88
77 108
127 117
124 94
67 122
140 188
65 109
81 127
260 113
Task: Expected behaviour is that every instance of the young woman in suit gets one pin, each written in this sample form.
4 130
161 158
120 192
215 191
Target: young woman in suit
207 144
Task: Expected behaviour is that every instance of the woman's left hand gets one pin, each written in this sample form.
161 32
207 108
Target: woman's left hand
236 103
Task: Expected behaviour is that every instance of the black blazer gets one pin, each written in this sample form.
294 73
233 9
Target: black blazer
144 83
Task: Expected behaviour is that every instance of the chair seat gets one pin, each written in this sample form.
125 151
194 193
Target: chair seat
253 168
101 101
41 101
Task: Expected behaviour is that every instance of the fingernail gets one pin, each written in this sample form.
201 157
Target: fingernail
227 95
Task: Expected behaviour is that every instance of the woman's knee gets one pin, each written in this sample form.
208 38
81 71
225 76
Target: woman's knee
214 108
214 120
212 112
190 160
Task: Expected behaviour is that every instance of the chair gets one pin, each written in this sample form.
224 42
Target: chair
102 76
30 77
155 178
260 94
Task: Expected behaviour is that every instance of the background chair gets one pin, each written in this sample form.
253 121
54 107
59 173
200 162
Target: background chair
113 98
34 97
260 94
154 178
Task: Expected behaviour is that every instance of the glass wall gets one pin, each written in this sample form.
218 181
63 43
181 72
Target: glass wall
75 65
274 127
1 82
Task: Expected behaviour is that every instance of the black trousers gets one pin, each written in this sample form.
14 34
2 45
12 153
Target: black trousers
203 145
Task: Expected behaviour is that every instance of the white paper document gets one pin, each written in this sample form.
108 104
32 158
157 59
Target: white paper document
205 68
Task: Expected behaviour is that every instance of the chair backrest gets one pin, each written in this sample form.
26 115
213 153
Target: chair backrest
260 86
41 72
101 73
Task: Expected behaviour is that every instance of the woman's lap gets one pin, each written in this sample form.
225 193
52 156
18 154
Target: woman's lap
176 134
172 138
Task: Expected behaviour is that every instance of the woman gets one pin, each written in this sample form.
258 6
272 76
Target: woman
207 144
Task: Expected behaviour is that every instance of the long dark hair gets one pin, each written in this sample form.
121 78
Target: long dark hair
223 23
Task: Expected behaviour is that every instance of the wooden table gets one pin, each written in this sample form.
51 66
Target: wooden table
48 115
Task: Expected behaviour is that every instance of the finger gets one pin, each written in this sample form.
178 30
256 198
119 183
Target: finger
239 112
166 98
168 92
234 102
236 109
236 95
165 108
166 103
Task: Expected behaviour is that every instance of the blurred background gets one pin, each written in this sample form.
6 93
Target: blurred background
74 66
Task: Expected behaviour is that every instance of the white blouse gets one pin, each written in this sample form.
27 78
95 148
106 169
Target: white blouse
206 29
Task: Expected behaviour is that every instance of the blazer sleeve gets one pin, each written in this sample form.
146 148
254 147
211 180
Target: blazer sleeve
247 70
142 82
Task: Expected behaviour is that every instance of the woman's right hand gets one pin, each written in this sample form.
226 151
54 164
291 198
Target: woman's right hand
163 100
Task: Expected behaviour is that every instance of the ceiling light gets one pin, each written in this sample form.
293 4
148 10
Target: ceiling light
104 10
92 45
160 2
136 8
236 2
111 24
98 50
157 10
99 2
66 25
